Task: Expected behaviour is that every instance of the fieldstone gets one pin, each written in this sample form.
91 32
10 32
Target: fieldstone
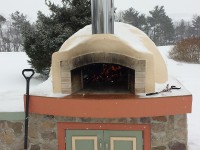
18 144
158 139
47 125
86 119
158 127
50 146
7 136
49 117
180 134
33 131
4 147
111 120
181 121
16 126
177 146
2 124
35 147
160 118
170 124
170 135
48 135
132 120
145 120
159 148
123 120
65 119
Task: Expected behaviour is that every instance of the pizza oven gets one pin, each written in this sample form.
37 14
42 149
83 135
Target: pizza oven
107 57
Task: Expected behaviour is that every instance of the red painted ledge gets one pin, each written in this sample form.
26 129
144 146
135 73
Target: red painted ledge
110 106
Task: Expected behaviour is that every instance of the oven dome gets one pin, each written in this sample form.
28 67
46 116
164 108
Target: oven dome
129 47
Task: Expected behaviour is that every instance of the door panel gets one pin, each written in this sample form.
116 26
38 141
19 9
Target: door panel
122 143
103 140
84 139
84 143
123 140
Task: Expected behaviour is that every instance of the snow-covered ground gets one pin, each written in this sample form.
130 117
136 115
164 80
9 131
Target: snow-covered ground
12 83
189 76
12 86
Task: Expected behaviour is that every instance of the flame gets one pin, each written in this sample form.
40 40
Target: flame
109 73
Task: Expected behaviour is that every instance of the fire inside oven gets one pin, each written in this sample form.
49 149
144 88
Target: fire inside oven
106 78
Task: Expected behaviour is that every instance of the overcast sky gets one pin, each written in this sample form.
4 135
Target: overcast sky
176 9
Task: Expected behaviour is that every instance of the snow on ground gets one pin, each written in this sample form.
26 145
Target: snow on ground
12 86
12 82
189 76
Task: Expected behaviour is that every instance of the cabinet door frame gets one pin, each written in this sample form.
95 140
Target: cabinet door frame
63 126
103 139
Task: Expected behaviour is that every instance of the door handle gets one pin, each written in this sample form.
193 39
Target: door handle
106 146
100 144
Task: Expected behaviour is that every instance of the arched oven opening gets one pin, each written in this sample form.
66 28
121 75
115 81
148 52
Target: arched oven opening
103 78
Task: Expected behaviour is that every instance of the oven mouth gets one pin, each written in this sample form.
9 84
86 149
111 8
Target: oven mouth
103 78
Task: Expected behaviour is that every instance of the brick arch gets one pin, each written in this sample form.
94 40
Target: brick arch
67 66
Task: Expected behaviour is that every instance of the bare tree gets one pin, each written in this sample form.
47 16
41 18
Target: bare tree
11 39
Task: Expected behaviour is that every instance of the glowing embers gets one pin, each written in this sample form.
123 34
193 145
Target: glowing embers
106 78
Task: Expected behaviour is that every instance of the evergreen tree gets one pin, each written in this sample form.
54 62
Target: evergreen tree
161 26
196 25
51 31
180 30
133 17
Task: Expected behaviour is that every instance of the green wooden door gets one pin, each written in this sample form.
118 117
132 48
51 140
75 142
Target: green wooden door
103 140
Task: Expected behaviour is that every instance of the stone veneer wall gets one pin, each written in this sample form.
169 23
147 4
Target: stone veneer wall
168 132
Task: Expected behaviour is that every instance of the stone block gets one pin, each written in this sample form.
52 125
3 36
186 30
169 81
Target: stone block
65 73
67 91
180 134
175 145
47 125
180 121
158 127
160 119
140 81
33 131
158 139
65 80
170 123
159 148
7 136
4 147
35 147
65 86
50 145
48 135
139 90
139 74
16 126
145 120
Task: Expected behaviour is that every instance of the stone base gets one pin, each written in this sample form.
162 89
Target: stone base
167 132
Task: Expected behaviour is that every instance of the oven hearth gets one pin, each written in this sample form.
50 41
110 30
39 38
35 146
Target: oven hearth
103 78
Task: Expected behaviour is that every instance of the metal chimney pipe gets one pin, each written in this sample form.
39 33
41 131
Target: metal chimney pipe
102 16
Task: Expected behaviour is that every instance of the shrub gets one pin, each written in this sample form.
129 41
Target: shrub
187 50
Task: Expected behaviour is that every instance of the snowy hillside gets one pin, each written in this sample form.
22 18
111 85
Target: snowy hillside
12 86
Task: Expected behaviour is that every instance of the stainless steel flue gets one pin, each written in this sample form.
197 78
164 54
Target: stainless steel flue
102 16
